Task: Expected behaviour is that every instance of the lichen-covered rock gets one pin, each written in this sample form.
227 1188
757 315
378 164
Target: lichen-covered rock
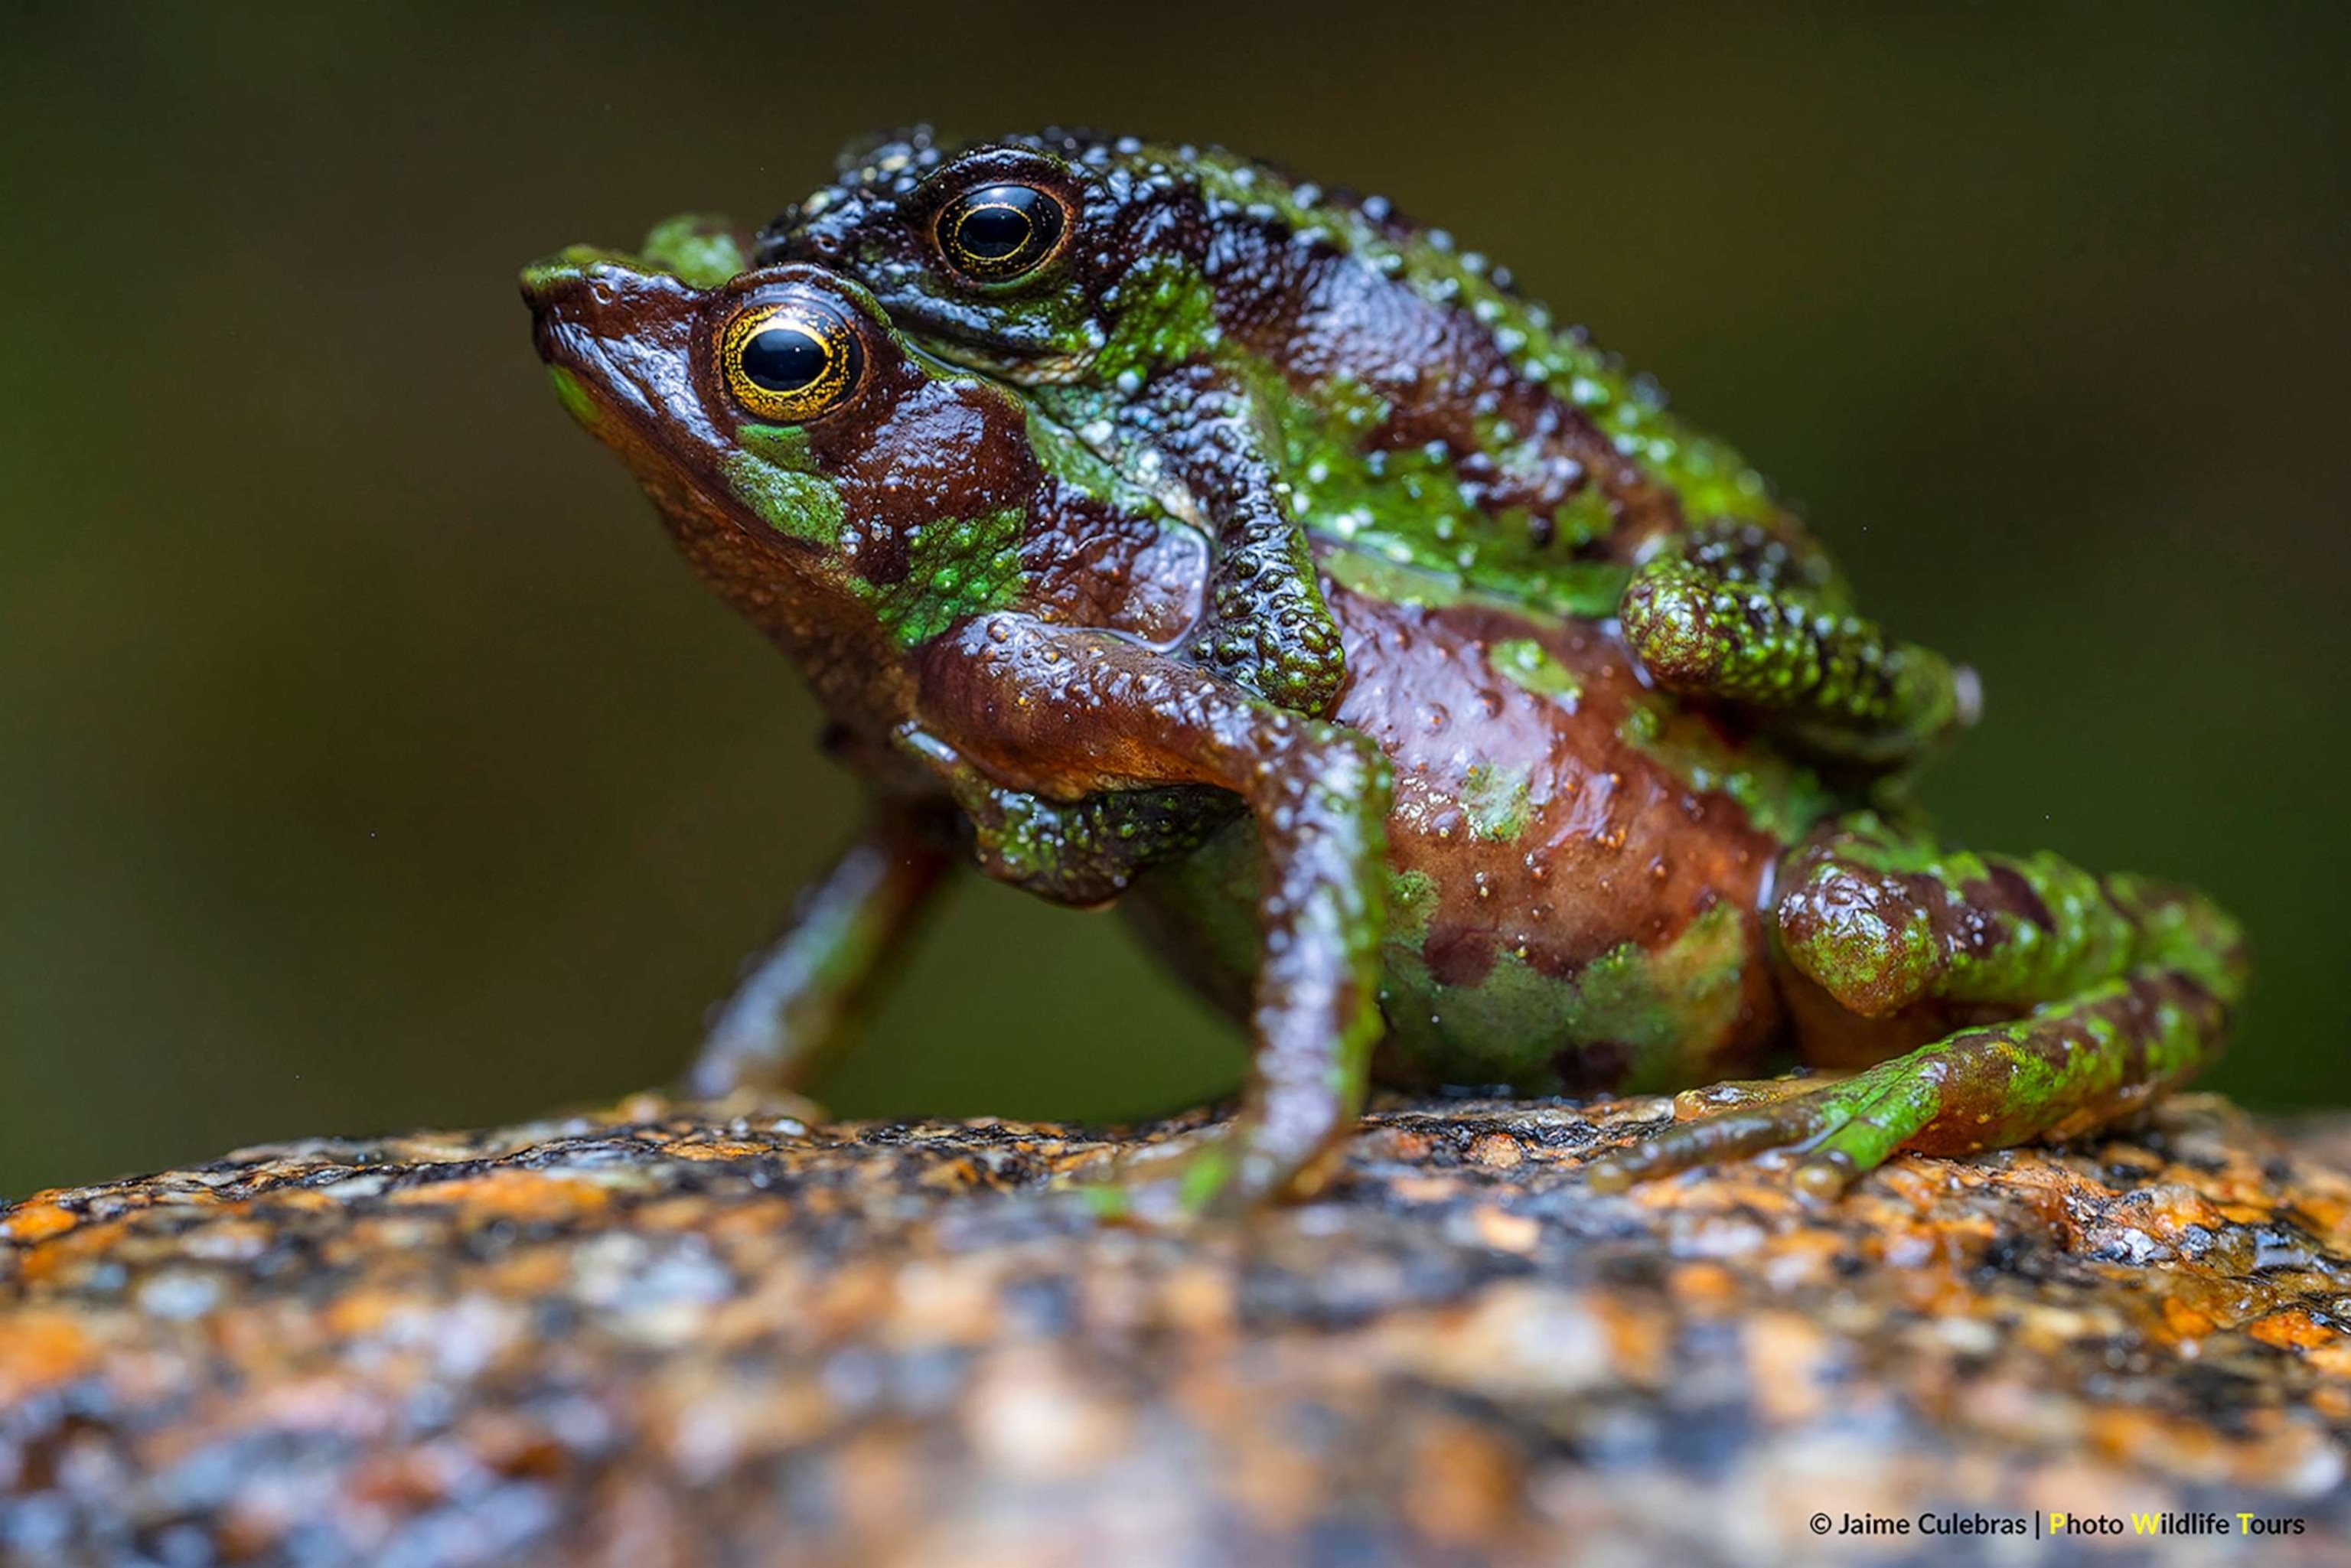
678 1334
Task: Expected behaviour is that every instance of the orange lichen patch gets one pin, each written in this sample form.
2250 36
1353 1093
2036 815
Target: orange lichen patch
2182 1319
2224 1299
37 1219
716 1149
2170 1210
71 1250
953 1176
40 1349
2293 1329
1496 1151
1077 1160
517 1195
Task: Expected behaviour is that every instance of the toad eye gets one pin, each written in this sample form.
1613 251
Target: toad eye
793 362
998 233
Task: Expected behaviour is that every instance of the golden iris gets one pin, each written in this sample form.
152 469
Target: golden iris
1000 231
791 362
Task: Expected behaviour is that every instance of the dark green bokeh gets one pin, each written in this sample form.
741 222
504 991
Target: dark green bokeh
366 758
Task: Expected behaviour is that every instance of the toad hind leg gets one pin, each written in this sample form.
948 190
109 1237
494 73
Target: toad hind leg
798 1002
2129 984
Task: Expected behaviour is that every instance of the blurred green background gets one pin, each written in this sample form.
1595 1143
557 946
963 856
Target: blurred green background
368 759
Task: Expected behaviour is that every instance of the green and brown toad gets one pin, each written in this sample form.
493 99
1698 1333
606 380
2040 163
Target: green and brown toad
1165 530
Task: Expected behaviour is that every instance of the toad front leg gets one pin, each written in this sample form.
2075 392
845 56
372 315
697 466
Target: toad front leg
1071 713
1731 615
1267 627
2123 988
799 1001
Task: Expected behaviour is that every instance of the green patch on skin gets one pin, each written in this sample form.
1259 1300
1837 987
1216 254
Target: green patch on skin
1065 457
1412 898
1376 576
1413 507
1663 1010
785 446
1529 665
773 474
697 249
1082 851
1781 797
1495 800
1419 586
573 396
1163 312
1581 519
573 261
955 567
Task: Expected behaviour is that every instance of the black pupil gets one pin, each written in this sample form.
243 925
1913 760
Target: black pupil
784 359
998 222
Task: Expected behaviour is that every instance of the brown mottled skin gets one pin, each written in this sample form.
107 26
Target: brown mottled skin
1359 779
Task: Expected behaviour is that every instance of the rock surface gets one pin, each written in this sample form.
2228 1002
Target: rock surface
677 1334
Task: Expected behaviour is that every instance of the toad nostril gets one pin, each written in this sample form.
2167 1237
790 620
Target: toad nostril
547 285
